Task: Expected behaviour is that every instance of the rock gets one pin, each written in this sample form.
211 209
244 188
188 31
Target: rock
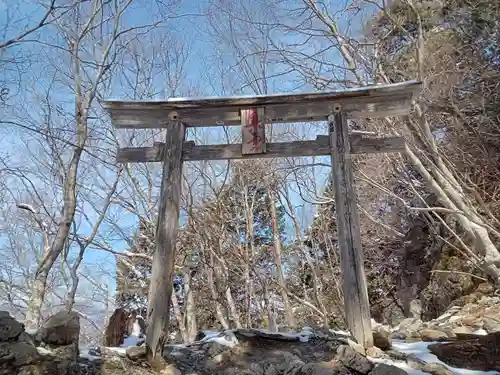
462 330
411 339
473 321
381 341
491 324
436 369
63 328
383 330
200 336
397 336
10 329
136 352
374 352
353 360
433 335
479 354
383 369
410 324
95 351
170 370
414 362
410 328
25 337
416 308
18 354
65 352
357 347
394 354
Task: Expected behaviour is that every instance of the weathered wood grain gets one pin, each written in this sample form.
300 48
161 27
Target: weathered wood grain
253 131
357 307
360 144
160 289
392 90
145 115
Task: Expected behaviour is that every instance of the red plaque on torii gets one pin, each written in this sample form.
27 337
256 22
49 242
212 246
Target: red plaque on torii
253 131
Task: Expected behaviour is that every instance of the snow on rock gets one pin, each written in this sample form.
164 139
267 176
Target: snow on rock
340 333
480 331
85 353
120 351
420 351
31 331
43 351
305 334
228 338
225 338
210 334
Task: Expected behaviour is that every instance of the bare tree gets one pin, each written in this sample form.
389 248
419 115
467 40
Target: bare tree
69 152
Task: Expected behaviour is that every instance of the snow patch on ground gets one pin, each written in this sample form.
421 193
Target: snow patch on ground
84 353
129 341
135 338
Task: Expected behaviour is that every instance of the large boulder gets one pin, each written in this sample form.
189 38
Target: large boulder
252 351
353 360
383 369
10 329
480 353
63 328
19 354
433 335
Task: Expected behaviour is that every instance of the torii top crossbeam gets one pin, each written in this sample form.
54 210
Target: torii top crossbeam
370 101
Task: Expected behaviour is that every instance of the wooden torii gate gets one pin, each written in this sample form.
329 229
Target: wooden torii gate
251 113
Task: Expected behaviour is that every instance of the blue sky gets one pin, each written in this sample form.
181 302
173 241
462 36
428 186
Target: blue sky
188 26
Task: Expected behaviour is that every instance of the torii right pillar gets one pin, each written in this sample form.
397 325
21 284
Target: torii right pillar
356 303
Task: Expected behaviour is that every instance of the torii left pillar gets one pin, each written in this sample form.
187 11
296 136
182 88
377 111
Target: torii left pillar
160 290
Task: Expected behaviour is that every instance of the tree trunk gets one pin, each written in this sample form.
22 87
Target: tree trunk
248 289
35 302
190 313
233 311
269 307
317 286
179 317
289 318
213 292
251 254
231 306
